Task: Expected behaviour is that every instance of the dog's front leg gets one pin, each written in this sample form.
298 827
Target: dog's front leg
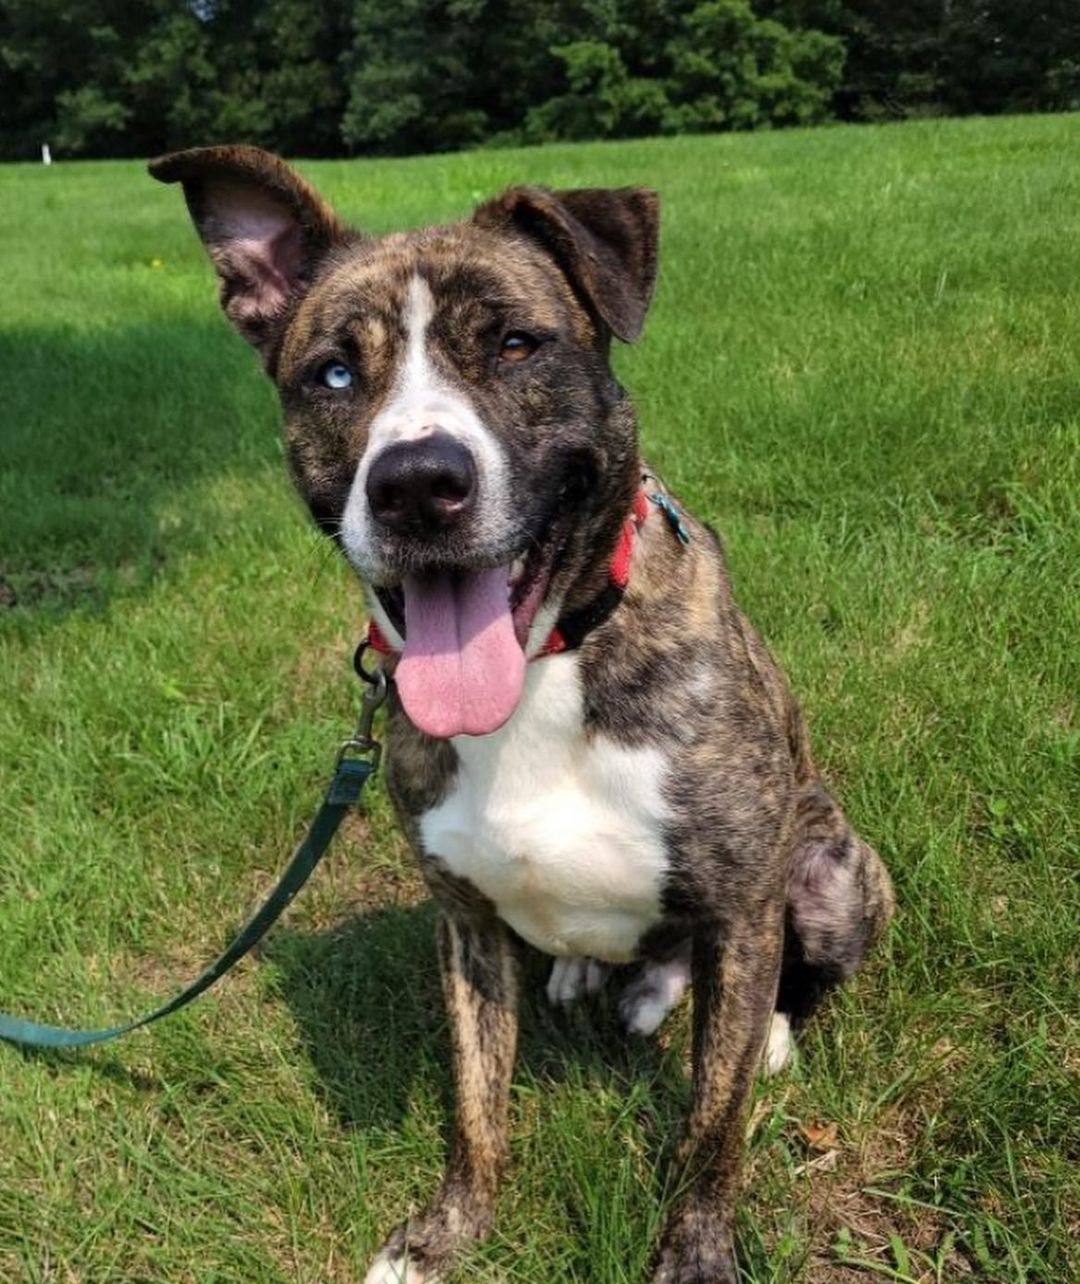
480 983
735 974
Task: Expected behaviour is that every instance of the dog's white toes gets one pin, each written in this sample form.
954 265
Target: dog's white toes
648 999
595 976
567 981
573 981
554 979
778 1047
572 978
396 1270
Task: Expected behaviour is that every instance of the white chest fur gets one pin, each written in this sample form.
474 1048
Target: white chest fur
562 832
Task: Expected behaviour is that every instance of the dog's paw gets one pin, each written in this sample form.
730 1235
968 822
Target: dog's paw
696 1250
386 1269
423 1249
571 978
652 994
672 1269
778 1047
697 1246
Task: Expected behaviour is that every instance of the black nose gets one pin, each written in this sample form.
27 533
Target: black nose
421 487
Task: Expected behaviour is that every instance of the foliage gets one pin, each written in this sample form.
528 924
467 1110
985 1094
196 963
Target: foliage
948 56
698 66
134 77
433 75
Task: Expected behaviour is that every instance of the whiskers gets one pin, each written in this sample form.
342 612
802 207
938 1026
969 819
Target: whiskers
321 551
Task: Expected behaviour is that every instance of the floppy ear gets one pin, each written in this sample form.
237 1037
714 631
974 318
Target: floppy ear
604 239
264 227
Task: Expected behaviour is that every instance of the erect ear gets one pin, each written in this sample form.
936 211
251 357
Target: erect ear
604 239
264 227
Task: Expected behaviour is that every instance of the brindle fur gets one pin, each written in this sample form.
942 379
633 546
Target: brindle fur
768 885
479 964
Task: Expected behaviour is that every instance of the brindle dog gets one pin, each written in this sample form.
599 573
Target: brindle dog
645 794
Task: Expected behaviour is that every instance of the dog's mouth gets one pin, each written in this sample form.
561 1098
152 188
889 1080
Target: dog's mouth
462 668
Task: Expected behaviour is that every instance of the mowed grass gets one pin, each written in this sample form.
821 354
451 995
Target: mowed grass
862 366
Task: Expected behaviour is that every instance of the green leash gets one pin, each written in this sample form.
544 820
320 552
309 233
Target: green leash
357 761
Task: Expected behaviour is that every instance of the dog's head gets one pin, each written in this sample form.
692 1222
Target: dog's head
450 413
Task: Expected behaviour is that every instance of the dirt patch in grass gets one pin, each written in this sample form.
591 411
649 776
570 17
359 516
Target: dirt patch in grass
838 1191
858 1218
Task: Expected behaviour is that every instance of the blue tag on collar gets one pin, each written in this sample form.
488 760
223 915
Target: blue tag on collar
673 513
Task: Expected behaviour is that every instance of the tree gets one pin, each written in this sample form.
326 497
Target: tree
946 56
135 77
1000 56
416 76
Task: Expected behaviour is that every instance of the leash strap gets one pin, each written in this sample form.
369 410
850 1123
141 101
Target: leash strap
347 784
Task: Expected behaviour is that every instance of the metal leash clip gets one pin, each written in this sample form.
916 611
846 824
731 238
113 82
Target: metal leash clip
362 743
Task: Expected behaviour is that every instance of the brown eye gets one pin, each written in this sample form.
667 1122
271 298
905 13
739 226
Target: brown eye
517 346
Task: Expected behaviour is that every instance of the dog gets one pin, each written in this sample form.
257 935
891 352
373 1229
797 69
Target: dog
590 749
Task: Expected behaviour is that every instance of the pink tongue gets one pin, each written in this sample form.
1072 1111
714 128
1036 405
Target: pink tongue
462 669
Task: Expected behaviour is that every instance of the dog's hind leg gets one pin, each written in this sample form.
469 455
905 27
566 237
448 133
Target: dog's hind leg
480 982
840 898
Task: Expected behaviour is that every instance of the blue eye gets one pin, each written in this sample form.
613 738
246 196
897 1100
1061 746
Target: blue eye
335 375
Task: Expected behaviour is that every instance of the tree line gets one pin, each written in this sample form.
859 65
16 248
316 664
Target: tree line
342 77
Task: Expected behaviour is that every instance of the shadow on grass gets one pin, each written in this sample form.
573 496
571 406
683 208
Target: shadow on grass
107 435
66 1060
367 1000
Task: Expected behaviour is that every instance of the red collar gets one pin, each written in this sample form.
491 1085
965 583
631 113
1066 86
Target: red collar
570 631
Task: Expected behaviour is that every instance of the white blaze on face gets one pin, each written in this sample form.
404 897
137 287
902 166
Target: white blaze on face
422 402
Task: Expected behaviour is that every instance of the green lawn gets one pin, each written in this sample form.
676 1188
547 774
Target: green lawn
863 367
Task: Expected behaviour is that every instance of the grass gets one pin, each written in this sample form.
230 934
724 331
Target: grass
862 366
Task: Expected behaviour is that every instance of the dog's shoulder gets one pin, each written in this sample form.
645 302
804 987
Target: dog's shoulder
680 663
